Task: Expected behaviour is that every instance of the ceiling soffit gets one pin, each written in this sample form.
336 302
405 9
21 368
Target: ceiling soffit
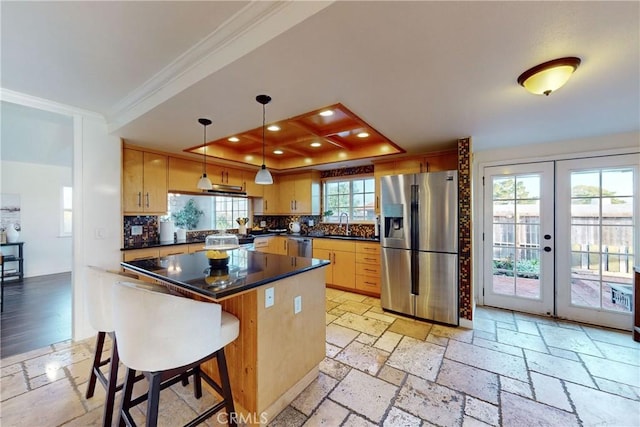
309 139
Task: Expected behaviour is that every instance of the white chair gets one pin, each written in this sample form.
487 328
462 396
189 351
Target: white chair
98 300
165 336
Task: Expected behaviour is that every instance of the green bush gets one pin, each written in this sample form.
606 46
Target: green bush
523 268
188 216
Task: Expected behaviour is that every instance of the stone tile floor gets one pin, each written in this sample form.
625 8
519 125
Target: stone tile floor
513 370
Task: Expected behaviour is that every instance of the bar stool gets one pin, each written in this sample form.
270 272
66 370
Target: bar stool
165 336
98 300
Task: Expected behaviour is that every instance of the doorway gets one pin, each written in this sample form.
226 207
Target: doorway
560 238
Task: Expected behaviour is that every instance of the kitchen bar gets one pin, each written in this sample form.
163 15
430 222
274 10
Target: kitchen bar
280 302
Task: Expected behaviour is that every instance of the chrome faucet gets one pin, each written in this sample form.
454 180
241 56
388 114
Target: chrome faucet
347 233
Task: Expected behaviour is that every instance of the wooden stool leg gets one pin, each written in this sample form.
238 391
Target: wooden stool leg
197 383
226 386
125 405
112 383
153 401
96 365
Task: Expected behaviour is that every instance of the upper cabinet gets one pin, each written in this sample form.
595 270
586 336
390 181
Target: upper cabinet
432 162
184 174
300 193
268 203
250 186
144 182
221 174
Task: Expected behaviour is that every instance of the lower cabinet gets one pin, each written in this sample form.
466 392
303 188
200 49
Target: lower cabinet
368 268
342 255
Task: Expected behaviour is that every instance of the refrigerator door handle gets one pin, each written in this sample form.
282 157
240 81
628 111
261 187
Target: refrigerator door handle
415 264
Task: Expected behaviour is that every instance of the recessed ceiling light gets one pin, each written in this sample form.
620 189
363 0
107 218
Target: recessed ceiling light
326 113
315 144
233 139
278 152
274 128
363 135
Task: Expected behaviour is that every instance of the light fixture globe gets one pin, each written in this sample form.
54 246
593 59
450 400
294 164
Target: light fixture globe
263 176
549 76
204 183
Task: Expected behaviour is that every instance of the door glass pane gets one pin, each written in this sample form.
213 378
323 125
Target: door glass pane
504 212
602 238
516 235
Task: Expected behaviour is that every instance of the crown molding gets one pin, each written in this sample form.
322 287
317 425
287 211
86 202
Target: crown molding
245 31
7 95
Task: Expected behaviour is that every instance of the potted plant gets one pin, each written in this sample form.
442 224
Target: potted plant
188 216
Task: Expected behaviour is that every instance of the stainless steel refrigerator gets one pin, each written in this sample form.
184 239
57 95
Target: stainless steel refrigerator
419 240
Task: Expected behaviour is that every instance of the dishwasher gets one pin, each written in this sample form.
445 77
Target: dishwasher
300 246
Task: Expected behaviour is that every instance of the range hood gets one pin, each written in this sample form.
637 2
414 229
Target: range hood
226 190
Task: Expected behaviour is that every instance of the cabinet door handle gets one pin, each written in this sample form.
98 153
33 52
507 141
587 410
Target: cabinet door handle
140 198
147 199
370 259
295 203
370 283
227 173
368 269
377 202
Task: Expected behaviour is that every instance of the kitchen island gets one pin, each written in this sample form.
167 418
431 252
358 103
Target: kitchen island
280 302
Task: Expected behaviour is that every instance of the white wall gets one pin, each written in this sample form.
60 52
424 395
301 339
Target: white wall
97 226
559 150
39 187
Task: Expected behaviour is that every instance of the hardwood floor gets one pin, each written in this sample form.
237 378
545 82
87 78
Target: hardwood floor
37 312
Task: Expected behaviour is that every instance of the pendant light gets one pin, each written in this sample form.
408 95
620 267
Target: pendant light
204 183
263 176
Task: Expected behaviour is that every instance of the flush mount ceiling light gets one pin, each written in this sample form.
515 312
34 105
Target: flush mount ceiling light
263 176
326 113
274 128
233 139
204 183
550 76
278 152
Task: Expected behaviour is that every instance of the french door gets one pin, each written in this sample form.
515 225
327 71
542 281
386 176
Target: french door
597 239
519 237
560 238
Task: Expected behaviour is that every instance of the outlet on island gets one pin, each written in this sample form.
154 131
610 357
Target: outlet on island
269 297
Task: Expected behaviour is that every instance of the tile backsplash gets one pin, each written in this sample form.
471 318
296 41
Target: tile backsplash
150 234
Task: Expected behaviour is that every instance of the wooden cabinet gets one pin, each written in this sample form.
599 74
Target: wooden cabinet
300 193
221 174
144 182
173 250
368 276
261 244
183 175
341 253
196 247
431 162
268 204
279 245
139 254
250 186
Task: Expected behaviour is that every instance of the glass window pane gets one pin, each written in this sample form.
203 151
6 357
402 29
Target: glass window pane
504 235
528 187
504 213
618 182
67 197
585 211
617 210
585 183
504 188
369 185
528 211
586 235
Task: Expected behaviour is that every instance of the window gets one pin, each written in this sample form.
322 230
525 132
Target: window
206 212
66 218
226 210
353 196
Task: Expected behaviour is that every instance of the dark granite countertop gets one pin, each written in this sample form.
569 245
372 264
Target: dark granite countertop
246 270
241 240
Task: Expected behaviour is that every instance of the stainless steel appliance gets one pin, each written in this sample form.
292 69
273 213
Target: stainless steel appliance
419 242
300 246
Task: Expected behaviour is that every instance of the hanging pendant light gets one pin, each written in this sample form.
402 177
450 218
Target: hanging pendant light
204 183
263 176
